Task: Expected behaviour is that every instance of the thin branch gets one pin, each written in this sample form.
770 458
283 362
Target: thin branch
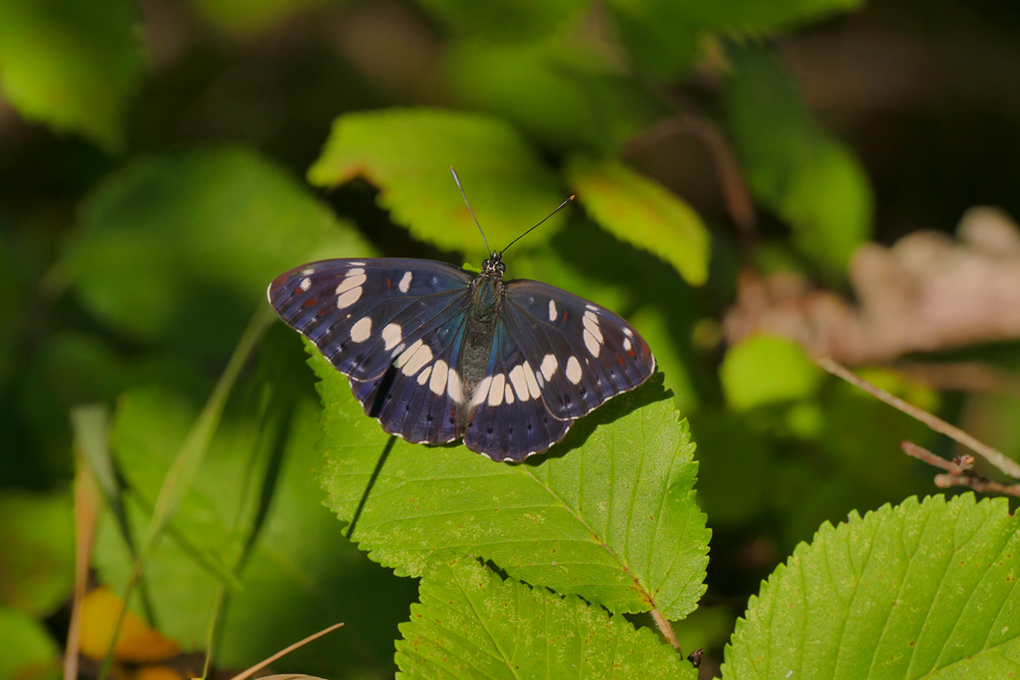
262 664
978 484
923 454
665 628
1007 465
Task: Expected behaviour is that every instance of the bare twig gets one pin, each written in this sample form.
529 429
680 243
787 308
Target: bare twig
265 662
921 453
665 628
1007 465
979 484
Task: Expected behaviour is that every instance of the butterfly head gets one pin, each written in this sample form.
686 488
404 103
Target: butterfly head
493 266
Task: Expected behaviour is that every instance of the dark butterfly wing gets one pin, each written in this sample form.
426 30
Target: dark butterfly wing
362 314
583 353
510 420
395 327
555 357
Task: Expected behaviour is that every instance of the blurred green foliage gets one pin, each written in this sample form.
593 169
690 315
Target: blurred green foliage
160 164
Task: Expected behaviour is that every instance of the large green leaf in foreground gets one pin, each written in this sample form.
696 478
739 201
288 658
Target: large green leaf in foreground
922 590
472 624
608 514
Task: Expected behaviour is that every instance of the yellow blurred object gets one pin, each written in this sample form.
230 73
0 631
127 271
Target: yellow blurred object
137 643
157 673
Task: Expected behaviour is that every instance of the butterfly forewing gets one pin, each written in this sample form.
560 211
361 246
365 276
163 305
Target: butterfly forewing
362 314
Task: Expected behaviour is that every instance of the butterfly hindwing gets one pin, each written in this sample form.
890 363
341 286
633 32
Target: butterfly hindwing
362 314
510 419
420 396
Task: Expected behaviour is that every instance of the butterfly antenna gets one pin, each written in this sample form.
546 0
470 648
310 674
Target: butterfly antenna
561 206
457 180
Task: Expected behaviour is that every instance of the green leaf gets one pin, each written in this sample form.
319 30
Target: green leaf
246 17
608 514
37 559
299 576
792 164
29 653
640 211
407 154
71 65
506 19
766 369
920 590
180 248
472 624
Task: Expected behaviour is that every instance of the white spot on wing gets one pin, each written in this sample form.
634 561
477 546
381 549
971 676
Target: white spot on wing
592 307
391 336
519 382
591 343
455 388
351 282
573 370
481 391
509 394
628 332
305 284
529 375
418 360
423 377
552 310
308 272
405 282
626 344
361 330
549 366
348 298
591 322
439 375
496 391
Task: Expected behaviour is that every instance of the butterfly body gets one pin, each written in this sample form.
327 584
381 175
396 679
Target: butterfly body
435 353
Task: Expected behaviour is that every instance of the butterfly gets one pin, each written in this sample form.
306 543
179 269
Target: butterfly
436 353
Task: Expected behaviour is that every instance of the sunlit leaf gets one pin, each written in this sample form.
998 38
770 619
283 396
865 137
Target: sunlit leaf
472 624
29 653
640 211
792 164
608 514
71 65
407 154
37 555
180 248
920 590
